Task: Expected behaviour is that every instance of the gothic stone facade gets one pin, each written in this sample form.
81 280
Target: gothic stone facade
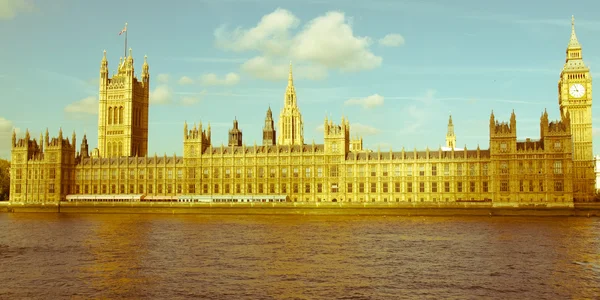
509 171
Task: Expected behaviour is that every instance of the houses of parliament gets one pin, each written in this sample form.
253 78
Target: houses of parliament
557 167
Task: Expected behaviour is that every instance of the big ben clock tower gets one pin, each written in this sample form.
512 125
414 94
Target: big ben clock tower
575 98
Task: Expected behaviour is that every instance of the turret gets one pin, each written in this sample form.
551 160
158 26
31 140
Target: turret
269 133
145 72
84 152
450 136
14 138
235 135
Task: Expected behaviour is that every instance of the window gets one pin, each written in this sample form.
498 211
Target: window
150 189
141 189
421 170
307 188
472 186
272 188
385 187
373 187
485 187
446 169
227 173
319 187
422 187
503 147
434 187
397 171
384 170
319 172
227 188
261 172
216 174
541 186
122 189
113 189
349 187
334 147
373 170
473 169
238 188
179 173
261 188
216 189
296 172
249 188
160 188
446 187
249 172
284 173
349 172
433 170
484 168
204 188
361 171
397 187
131 189
504 168
179 189
558 186
334 188
409 188
558 167
361 187
459 169
333 171
238 173
531 185
295 188
205 173
459 187
272 173
504 186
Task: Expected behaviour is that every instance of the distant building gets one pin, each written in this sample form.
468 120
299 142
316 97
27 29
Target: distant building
556 168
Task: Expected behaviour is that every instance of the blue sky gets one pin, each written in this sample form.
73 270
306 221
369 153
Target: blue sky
214 60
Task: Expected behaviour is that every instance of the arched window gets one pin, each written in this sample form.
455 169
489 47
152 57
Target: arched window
121 148
121 115
116 115
110 115
115 150
108 149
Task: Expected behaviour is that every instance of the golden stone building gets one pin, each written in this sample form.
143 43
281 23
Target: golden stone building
556 168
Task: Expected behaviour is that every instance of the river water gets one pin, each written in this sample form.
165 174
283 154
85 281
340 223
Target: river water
78 256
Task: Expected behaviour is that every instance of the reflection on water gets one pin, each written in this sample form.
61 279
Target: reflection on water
302 257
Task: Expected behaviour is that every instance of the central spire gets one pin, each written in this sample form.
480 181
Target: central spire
290 77
573 42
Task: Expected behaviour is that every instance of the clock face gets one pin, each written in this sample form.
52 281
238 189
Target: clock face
577 90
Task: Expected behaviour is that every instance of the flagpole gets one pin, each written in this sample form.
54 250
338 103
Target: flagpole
125 40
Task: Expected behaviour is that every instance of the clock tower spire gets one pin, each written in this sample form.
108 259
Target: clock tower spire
575 97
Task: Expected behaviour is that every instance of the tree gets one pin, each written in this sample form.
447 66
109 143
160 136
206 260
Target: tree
4 179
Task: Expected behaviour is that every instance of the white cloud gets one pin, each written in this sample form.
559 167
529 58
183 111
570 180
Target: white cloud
212 79
363 130
86 106
326 42
162 78
392 40
10 8
162 94
264 68
367 102
184 80
6 130
190 100
596 131
417 113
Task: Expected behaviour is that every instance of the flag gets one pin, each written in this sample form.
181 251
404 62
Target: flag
123 30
